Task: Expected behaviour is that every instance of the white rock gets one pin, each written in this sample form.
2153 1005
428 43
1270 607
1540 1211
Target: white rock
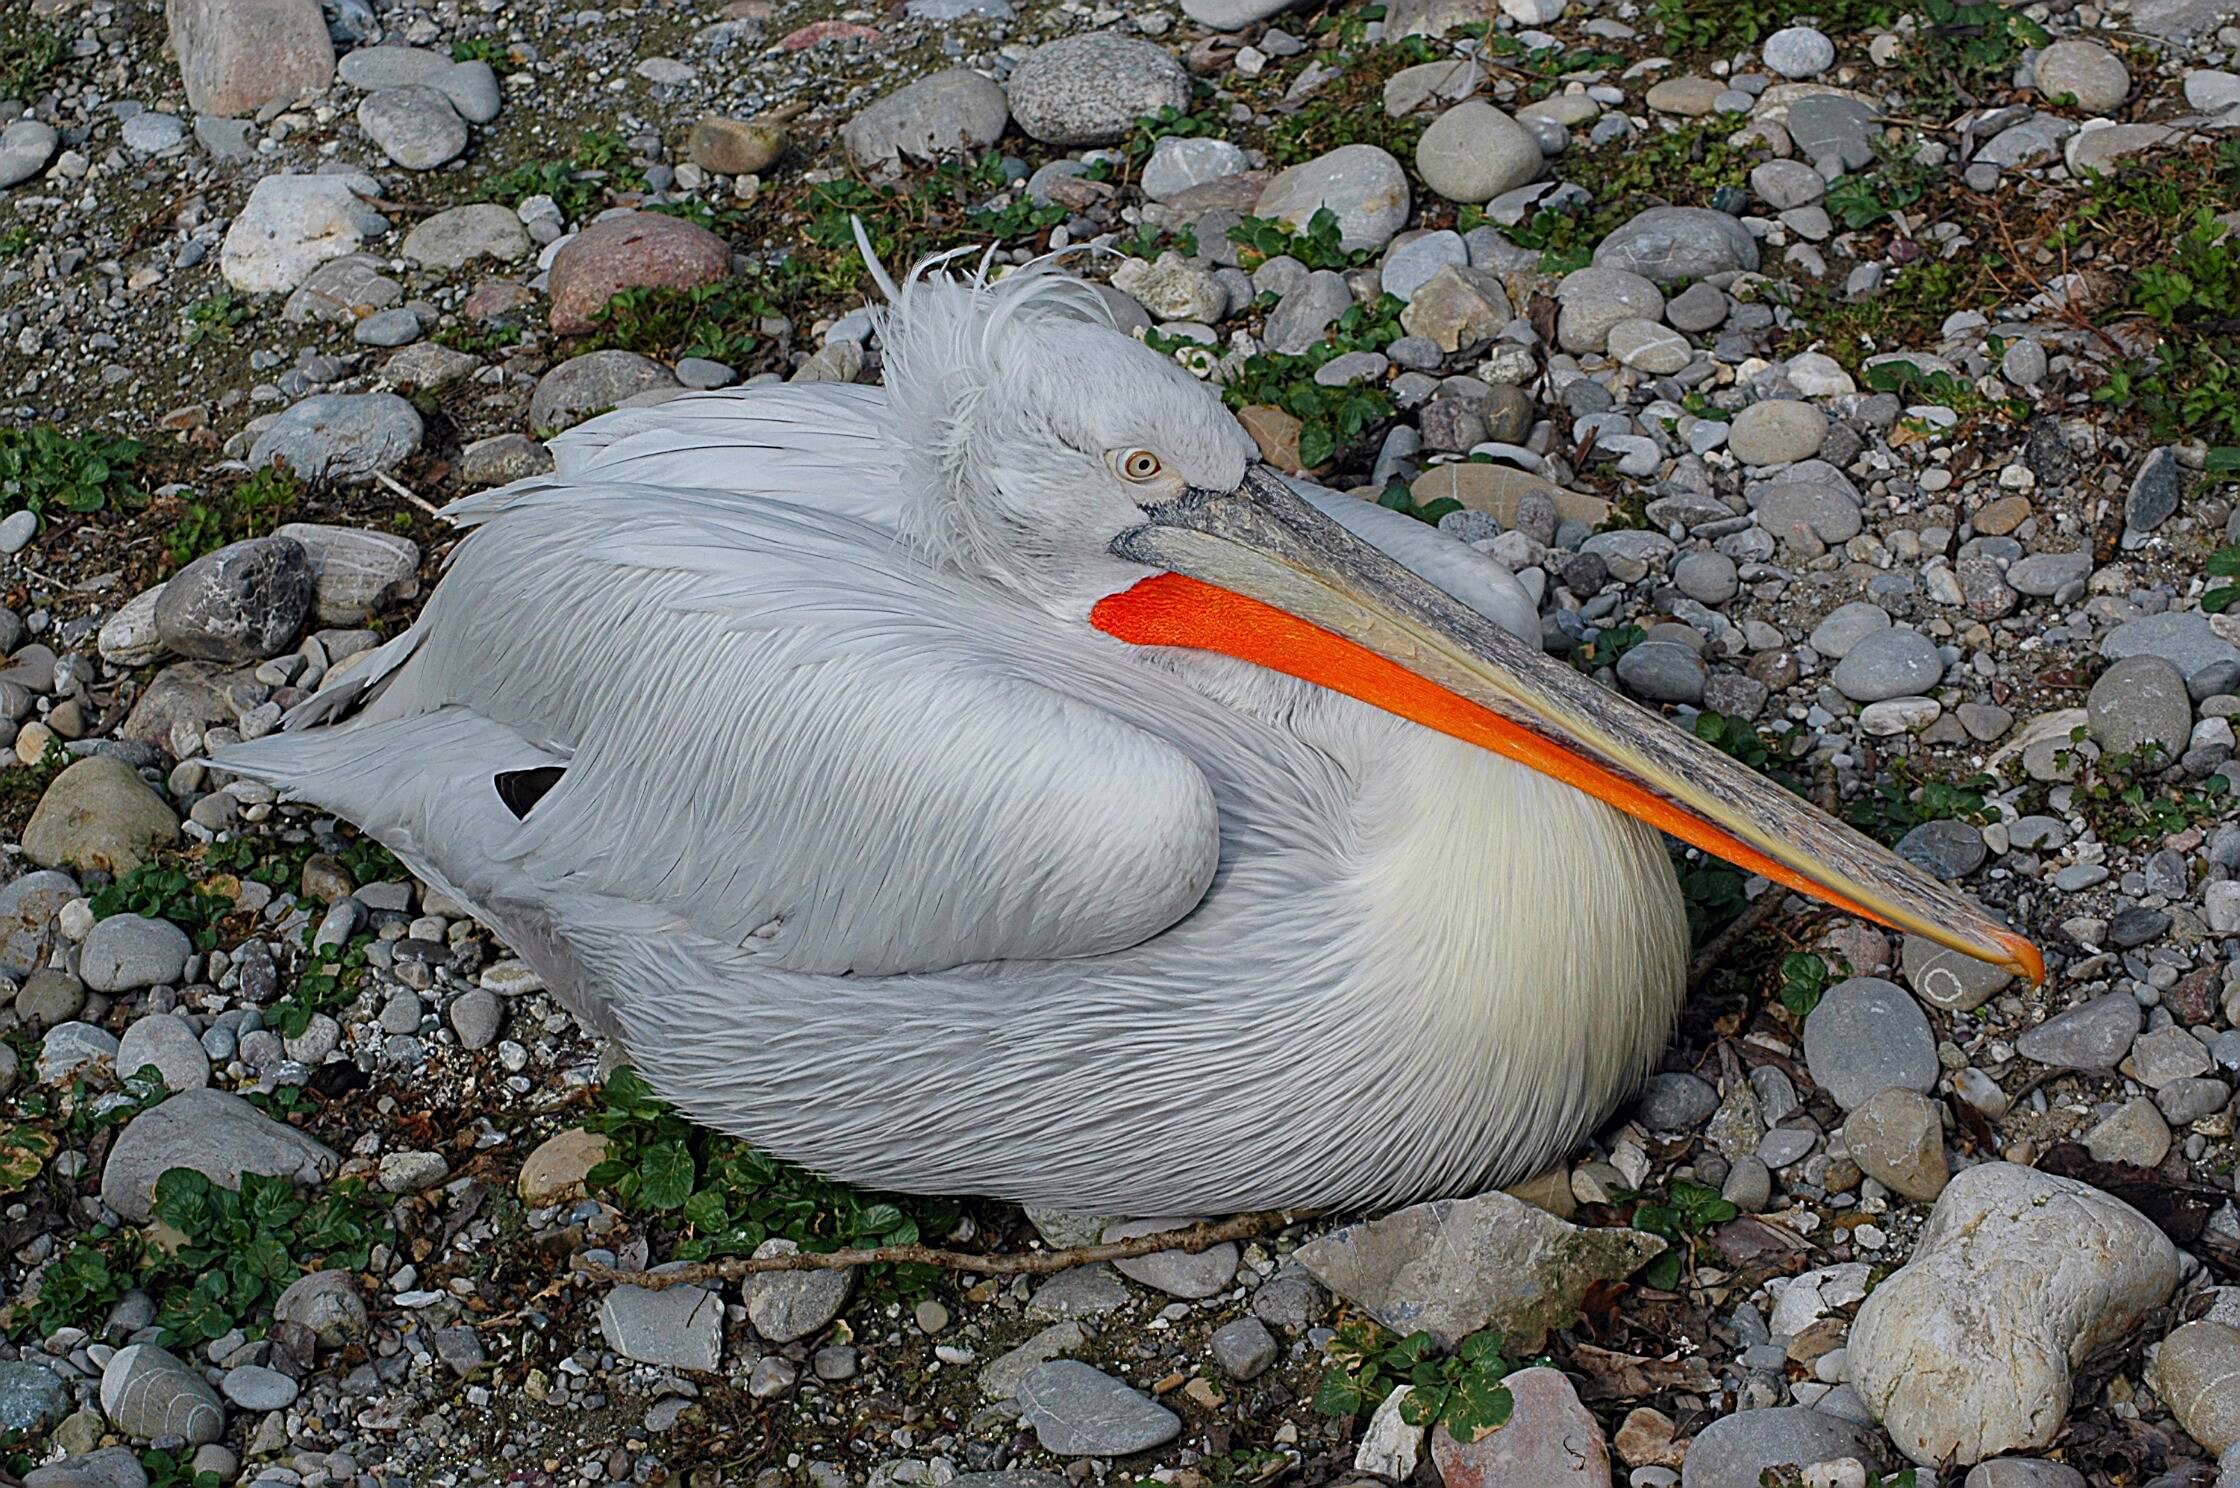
1966 1352
292 224
1390 1447
128 637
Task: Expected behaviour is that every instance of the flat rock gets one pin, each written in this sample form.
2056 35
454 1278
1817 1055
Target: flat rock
344 438
294 223
1948 979
1079 1411
950 112
593 383
26 145
415 126
33 1398
1967 1350
2197 1373
2093 1036
786 1305
1455 1266
1361 185
557 1168
98 815
1175 1272
679 1327
220 1136
455 238
1897 662
1664 244
1737 1451
28 906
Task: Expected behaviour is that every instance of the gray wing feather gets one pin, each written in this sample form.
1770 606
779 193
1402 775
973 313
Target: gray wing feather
796 740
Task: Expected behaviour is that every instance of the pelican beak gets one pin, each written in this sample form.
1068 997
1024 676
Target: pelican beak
1259 574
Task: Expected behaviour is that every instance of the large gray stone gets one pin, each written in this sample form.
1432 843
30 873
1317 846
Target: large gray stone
244 602
1090 90
455 238
1736 1451
949 112
220 1136
787 1305
1665 244
1361 185
33 1398
355 572
415 126
26 146
2138 703
1474 152
2093 1036
1887 664
341 437
292 224
679 1327
128 951
1078 1411
593 383
1865 1036
98 815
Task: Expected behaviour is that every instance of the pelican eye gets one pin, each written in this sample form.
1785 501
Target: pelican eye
1139 466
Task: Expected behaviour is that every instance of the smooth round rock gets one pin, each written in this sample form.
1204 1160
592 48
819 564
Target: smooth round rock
128 951
455 238
1777 431
1474 152
1665 244
1798 52
1867 1036
2140 701
630 250
2086 71
339 437
25 148
1887 664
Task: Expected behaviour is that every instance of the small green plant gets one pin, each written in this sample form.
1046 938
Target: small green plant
215 316
1169 123
252 506
732 1197
1863 198
161 890
1804 978
481 49
1461 1391
1318 245
2123 799
1961 51
27 58
16 241
1397 497
478 340
717 321
1604 647
169 1470
42 468
2224 563
1711 892
579 184
1908 799
327 981
1148 242
241 1250
1331 419
1681 1215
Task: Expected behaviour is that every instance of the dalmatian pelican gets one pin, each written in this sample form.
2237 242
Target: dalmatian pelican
1002 783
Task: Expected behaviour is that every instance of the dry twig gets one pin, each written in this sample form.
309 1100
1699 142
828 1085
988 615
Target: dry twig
1189 1241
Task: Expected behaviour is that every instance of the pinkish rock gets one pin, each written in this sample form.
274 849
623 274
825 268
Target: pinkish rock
818 31
236 56
1549 1441
492 298
630 251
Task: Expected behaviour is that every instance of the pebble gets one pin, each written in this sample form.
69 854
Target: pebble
149 1392
2093 1036
294 223
454 238
1075 1410
96 815
237 56
1895 662
1738 1450
2195 1372
219 1135
248 600
631 250
1866 1036
1550 1440
1798 52
678 1327
2140 701
2085 70
788 1305
1665 244
1896 1138
163 1039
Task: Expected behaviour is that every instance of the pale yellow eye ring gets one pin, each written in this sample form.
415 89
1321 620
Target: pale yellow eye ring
1138 465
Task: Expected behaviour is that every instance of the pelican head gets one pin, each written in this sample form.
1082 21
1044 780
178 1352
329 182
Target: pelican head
1069 462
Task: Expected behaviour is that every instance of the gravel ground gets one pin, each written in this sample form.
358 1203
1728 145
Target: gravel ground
1858 387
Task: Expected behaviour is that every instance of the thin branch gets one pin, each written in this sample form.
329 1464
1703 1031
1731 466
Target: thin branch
1760 910
1189 1241
398 487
